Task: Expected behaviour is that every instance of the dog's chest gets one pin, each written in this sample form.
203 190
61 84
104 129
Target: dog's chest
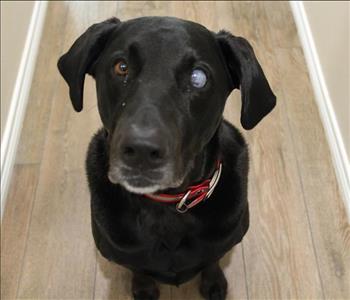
167 230
160 240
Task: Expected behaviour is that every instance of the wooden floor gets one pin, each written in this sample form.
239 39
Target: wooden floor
298 245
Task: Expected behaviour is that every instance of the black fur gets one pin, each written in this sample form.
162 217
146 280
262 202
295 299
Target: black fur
153 239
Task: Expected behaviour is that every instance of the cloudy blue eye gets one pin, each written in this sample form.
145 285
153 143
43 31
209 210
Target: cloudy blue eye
198 78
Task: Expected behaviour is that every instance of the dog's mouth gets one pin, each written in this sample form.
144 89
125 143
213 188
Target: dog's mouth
139 185
143 182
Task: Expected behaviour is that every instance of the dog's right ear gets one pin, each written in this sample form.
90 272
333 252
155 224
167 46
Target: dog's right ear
80 57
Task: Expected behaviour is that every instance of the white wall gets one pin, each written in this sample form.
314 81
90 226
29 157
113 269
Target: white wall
323 29
15 19
22 23
329 24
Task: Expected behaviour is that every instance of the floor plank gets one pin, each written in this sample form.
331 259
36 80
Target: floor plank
326 211
45 78
15 226
60 259
112 281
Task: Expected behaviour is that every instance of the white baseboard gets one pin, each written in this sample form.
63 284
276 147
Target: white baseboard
328 117
12 131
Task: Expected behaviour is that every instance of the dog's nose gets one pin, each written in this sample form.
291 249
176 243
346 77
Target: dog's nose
143 148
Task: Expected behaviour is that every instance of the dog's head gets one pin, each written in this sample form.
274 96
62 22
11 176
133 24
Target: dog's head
161 86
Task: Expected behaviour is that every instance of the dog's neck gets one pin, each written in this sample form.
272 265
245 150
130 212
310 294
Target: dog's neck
203 167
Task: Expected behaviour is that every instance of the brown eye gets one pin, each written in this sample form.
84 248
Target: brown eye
121 68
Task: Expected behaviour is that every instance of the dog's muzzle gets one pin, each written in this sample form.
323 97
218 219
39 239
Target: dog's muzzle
141 159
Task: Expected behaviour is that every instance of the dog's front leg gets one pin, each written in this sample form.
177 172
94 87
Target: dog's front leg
213 284
144 287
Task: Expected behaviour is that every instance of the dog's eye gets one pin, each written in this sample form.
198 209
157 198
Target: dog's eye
121 68
198 78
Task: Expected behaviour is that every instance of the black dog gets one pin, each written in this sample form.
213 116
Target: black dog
159 205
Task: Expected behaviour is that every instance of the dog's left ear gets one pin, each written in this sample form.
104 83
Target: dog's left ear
246 74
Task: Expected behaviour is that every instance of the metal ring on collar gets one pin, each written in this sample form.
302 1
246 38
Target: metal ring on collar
182 203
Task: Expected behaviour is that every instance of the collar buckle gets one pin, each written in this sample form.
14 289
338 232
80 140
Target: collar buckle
214 181
182 207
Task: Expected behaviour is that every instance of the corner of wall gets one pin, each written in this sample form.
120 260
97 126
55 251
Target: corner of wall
20 94
324 103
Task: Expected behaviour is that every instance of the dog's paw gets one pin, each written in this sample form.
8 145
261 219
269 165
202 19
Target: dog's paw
213 285
144 288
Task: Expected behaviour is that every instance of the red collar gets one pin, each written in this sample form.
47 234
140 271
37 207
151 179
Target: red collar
194 194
